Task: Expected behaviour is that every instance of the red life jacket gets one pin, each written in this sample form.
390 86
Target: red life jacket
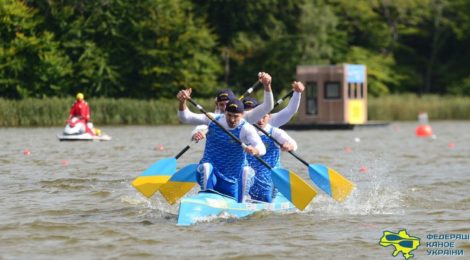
81 110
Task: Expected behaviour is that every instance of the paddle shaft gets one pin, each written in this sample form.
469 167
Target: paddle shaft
182 152
250 90
277 142
200 108
279 101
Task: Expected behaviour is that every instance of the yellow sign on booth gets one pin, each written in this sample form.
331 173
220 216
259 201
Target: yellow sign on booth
356 112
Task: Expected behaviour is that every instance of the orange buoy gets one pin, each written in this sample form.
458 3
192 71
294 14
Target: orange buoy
347 149
363 169
423 131
451 145
26 152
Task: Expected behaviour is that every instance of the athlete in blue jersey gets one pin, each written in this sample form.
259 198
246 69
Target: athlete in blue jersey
259 182
262 187
224 161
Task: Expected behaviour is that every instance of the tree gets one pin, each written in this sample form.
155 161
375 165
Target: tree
32 63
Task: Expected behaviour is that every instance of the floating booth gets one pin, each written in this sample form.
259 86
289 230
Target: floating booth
335 97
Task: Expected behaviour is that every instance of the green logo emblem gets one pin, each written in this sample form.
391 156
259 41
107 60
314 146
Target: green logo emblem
402 242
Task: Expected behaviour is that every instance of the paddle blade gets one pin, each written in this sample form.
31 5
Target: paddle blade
179 184
157 174
294 188
330 181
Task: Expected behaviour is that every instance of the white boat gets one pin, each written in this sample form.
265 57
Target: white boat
77 130
207 205
83 137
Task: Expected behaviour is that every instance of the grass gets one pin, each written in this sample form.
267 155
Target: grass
109 111
407 107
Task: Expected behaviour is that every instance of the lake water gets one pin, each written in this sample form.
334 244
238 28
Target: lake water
74 200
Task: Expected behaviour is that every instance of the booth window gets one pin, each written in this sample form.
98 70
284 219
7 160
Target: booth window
355 90
332 90
312 97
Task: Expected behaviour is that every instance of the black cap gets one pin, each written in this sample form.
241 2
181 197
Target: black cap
225 95
250 103
235 106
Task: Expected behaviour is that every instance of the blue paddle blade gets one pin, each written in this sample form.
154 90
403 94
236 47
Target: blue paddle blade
179 184
330 181
164 167
157 174
294 188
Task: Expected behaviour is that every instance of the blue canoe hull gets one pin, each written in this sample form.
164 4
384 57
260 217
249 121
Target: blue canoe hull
205 205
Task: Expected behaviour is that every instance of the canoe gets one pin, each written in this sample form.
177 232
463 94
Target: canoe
83 137
210 204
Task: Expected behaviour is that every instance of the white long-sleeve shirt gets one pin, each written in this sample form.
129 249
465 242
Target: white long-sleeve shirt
284 116
254 115
248 133
280 135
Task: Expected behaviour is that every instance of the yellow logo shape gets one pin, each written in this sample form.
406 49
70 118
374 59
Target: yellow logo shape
402 242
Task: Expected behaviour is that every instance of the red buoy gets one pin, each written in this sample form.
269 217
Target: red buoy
363 169
423 131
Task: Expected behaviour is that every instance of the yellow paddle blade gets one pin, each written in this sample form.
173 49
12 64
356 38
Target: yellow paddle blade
180 183
173 191
293 187
302 192
341 187
148 185
330 181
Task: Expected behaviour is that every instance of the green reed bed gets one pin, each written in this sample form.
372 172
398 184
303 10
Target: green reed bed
109 111
104 111
407 107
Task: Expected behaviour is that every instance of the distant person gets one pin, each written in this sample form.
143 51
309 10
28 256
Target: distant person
80 109
221 100
79 121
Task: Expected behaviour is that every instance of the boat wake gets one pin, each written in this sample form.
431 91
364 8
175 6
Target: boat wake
376 193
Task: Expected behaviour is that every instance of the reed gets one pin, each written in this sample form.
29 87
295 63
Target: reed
104 111
110 111
406 107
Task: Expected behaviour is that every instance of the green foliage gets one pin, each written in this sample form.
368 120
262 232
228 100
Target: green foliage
152 48
105 48
32 63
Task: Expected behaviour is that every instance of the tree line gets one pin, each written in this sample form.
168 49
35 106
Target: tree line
148 49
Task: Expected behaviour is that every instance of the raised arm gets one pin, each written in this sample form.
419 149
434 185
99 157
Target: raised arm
284 116
184 114
264 108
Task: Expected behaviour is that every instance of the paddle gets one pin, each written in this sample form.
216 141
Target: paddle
294 188
327 179
157 174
